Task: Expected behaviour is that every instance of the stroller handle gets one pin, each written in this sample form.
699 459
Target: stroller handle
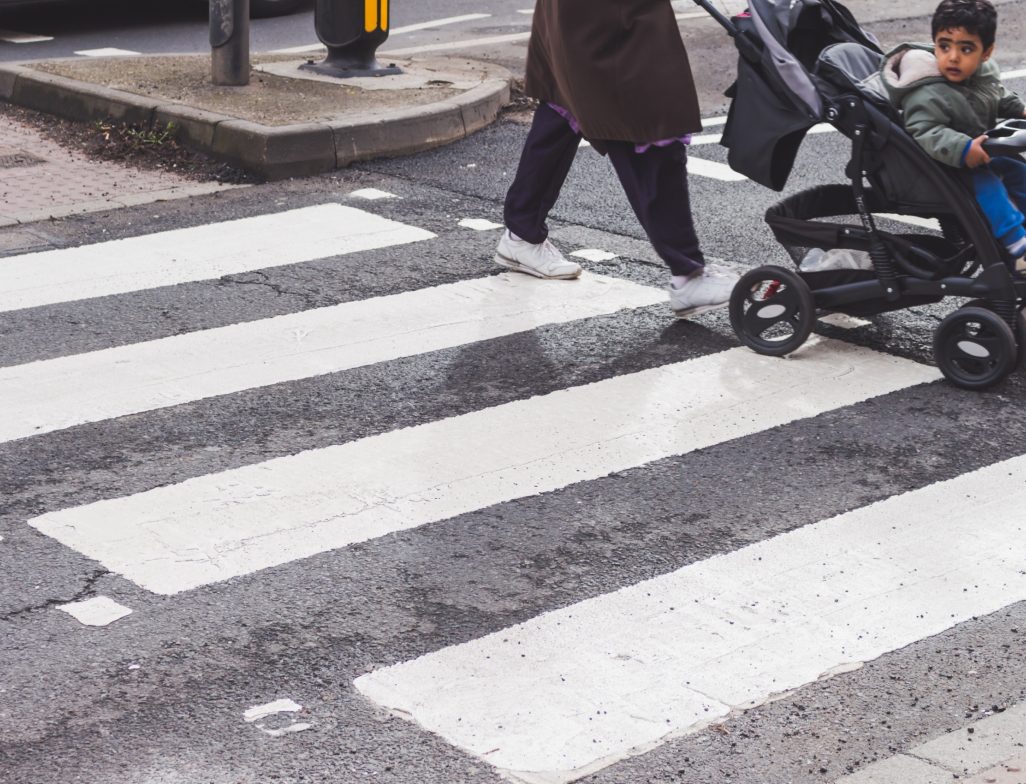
1007 138
714 12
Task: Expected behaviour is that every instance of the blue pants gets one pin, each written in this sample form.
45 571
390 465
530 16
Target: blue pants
1000 189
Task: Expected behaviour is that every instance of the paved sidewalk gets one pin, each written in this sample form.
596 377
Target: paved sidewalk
989 751
39 179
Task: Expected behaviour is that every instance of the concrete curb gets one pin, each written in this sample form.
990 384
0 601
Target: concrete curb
273 152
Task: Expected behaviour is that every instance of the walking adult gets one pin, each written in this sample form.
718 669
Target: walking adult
616 73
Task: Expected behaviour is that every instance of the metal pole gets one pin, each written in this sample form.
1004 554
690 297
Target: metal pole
229 42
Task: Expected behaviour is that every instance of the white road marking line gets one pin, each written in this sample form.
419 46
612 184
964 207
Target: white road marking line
472 43
216 527
479 224
394 31
574 690
98 611
437 23
41 397
593 254
107 52
12 37
1016 74
201 253
712 169
372 194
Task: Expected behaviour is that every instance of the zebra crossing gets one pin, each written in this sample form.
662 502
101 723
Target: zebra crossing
581 685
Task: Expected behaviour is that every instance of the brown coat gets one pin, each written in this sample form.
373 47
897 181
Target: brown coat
619 66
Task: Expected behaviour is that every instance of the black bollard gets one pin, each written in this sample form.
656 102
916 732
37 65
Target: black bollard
229 41
352 30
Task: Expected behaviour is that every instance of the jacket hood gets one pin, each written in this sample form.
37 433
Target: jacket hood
907 67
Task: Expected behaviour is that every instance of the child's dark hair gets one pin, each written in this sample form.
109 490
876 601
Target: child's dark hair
977 17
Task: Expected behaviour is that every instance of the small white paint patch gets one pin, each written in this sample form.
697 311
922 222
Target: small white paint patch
40 397
258 712
98 611
12 37
479 224
593 254
215 527
106 52
573 690
712 169
844 321
372 194
199 253
912 220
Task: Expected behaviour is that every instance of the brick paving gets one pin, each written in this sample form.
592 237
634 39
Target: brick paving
39 179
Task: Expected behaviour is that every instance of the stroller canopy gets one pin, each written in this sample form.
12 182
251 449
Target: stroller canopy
775 98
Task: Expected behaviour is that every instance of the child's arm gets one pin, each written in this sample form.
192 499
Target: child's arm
926 121
1010 105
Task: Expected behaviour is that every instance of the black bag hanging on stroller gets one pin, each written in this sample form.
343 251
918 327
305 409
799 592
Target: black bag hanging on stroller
803 62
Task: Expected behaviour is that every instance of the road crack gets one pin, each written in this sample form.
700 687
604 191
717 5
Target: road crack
86 591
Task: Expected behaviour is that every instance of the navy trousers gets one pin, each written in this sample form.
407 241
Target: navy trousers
655 182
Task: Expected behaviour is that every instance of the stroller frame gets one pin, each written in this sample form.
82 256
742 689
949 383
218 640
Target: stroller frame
773 309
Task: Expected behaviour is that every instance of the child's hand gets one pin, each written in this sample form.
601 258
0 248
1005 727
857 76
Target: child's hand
977 156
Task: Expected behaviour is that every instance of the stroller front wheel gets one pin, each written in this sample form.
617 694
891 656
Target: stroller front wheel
974 348
772 310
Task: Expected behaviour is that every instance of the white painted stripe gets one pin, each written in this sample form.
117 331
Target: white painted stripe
107 52
395 31
1016 74
576 689
49 395
201 253
717 171
471 43
223 525
451 20
12 37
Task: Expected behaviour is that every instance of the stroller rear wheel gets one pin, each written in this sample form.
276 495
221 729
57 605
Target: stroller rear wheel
772 310
974 348
1020 327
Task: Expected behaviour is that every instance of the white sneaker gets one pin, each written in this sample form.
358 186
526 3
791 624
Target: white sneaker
542 260
702 293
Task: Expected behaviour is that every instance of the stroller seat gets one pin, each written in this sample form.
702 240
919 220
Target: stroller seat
852 66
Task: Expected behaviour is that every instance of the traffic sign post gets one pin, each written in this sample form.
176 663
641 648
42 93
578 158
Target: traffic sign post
352 30
229 42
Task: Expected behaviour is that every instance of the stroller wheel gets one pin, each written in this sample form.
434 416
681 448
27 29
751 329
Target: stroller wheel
974 348
1020 328
772 310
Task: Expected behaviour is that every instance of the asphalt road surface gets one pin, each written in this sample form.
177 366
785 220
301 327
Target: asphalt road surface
381 513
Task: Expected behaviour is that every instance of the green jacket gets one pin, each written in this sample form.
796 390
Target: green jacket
942 116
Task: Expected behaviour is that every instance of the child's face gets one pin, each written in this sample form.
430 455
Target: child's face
959 53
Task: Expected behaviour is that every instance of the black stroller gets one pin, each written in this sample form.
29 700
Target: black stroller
803 62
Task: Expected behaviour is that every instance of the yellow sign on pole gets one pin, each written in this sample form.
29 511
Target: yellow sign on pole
375 15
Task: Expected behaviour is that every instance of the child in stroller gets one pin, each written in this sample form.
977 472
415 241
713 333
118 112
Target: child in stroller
950 93
803 62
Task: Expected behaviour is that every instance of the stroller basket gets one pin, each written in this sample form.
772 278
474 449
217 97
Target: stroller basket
800 224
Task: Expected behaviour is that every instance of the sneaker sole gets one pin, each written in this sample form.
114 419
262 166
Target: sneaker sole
502 261
696 311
